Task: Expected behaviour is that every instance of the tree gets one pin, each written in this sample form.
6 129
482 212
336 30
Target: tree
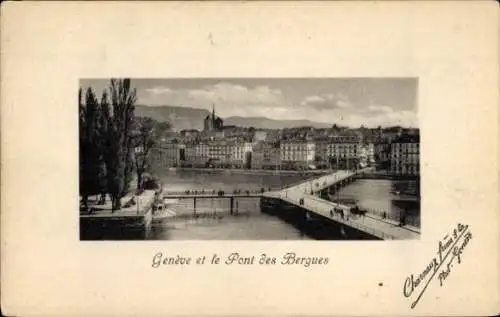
144 128
163 127
103 144
118 155
147 134
81 147
89 144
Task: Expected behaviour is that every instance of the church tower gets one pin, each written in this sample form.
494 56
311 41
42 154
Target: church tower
212 122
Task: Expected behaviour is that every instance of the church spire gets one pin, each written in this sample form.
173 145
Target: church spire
213 112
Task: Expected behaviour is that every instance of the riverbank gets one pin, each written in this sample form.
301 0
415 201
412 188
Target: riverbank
386 175
252 171
100 222
369 175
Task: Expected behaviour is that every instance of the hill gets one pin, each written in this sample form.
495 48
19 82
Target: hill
192 118
266 123
180 117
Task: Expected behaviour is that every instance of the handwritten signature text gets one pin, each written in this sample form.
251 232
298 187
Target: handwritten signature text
449 252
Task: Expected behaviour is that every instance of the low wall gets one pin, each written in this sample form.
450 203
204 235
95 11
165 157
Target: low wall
314 226
116 227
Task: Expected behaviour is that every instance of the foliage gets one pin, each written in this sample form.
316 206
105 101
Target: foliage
90 146
147 133
119 157
106 141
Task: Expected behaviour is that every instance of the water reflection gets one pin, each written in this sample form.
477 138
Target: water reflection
182 180
211 218
236 227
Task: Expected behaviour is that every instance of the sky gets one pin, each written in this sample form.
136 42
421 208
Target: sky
346 101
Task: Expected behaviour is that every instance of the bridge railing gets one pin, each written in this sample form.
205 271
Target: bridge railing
328 180
330 205
318 180
409 219
208 193
297 183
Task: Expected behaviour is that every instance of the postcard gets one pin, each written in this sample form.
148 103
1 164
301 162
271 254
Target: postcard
250 159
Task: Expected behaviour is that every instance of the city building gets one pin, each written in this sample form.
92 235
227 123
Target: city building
237 147
195 154
382 155
266 155
405 155
297 154
260 135
219 154
212 122
164 156
189 133
367 154
345 149
321 159
392 133
238 134
273 136
241 154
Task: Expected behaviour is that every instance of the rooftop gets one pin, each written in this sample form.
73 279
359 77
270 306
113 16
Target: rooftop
407 138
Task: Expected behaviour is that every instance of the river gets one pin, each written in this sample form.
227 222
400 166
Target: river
212 221
381 195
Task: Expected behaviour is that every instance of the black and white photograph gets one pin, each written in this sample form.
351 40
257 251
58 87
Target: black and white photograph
254 158
249 159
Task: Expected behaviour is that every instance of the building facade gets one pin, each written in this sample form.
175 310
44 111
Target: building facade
367 155
405 156
322 160
195 154
266 155
382 155
241 154
165 156
219 154
345 150
297 154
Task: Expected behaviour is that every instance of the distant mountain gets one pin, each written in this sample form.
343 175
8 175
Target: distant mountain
266 123
192 118
180 117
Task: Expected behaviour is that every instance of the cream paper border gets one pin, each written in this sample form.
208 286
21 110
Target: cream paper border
452 47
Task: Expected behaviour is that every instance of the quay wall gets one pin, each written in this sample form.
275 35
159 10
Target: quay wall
116 227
